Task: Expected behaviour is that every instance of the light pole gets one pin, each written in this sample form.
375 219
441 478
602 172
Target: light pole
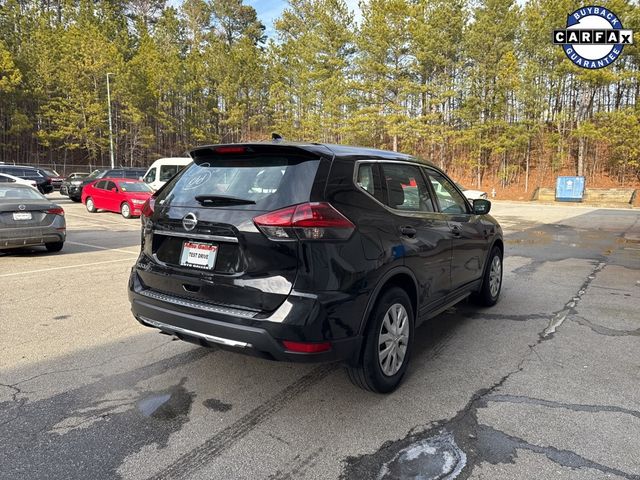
110 127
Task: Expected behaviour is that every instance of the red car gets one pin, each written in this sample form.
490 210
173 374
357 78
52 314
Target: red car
122 195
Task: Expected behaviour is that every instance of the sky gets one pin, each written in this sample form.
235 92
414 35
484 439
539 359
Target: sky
269 10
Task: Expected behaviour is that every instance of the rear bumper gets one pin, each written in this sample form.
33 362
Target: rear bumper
237 331
32 236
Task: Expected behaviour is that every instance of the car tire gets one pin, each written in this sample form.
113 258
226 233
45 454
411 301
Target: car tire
75 199
492 280
91 208
125 210
376 372
54 246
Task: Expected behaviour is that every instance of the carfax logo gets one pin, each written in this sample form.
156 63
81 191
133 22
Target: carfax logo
594 37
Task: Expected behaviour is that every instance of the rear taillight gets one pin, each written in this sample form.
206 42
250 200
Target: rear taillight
56 211
307 221
147 208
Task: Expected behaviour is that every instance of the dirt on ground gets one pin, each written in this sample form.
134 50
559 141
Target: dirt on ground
516 190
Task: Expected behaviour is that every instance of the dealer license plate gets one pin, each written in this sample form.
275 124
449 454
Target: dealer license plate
22 216
198 255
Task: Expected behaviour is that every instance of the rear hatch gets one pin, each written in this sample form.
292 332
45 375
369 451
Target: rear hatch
201 241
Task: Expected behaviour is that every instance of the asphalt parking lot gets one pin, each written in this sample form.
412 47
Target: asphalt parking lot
543 385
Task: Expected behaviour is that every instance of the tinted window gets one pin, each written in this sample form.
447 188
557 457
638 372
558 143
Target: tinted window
101 185
450 200
110 185
272 182
168 171
4 179
133 173
406 188
365 178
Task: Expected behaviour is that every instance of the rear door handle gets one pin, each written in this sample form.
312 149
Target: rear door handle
408 231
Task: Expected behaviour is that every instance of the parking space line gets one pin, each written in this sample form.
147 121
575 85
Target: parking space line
15 274
98 247
84 217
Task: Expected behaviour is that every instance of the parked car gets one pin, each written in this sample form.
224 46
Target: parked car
28 219
56 178
308 252
161 171
71 181
6 178
472 194
38 175
75 191
116 195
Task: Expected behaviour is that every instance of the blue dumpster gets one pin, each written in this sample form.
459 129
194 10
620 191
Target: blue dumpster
569 189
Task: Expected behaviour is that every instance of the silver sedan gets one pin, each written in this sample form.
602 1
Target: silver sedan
28 218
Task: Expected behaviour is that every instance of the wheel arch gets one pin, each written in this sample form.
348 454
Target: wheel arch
401 277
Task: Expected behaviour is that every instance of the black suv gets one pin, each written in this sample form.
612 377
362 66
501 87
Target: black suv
30 173
74 189
308 252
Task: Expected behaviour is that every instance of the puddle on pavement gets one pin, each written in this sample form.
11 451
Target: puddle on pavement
167 405
217 405
430 455
434 458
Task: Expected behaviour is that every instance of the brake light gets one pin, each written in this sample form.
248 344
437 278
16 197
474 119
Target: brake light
307 221
56 211
230 150
306 347
148 207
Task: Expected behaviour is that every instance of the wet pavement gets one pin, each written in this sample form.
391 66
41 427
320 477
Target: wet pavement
543 385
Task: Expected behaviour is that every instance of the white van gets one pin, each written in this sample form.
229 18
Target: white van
163 169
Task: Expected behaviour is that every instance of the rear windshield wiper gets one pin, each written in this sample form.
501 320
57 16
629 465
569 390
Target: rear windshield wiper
222 200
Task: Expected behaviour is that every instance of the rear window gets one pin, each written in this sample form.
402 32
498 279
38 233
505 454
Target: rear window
270 181
10 193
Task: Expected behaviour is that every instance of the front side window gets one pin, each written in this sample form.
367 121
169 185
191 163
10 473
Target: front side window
151 175
406 188
110 186
449 198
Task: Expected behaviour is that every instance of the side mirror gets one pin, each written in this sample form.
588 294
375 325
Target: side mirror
481 206
114 190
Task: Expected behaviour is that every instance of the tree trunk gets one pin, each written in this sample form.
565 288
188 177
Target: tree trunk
526 167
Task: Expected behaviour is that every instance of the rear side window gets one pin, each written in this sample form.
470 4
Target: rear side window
406 188
101 185
270 181
168 171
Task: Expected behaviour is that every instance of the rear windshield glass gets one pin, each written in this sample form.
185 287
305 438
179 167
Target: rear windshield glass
134 187
8 194
271 182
